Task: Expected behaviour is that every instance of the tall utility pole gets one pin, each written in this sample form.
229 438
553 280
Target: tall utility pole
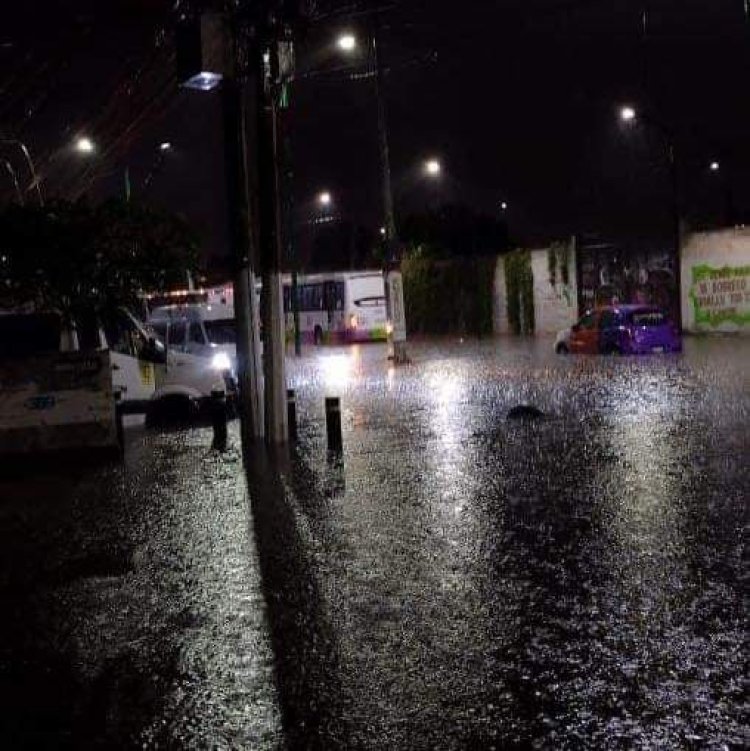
393 291
236 101
272 302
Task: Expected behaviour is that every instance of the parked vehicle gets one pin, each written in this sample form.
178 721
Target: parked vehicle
146 375
200 329
339 307
621 329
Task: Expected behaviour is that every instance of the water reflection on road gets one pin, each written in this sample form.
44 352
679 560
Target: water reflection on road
565 582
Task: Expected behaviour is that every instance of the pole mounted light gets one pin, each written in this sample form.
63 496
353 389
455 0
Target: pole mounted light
714 166
84 145
347 42
628 114
324 198
432 167
165 146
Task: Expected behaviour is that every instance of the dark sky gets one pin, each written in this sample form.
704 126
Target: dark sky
520 105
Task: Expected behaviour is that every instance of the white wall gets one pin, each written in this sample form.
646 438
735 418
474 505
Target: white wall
500 303
716 281
555 307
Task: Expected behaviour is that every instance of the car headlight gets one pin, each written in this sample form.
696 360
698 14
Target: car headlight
221 361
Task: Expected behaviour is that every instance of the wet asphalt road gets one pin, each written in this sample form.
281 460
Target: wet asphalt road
457 580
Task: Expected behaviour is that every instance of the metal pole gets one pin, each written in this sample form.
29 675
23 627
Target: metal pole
271 246
676 232
14 178
391 243
245 303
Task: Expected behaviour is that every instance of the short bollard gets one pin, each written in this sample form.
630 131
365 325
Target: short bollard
291 413
333 423
119 424
219 419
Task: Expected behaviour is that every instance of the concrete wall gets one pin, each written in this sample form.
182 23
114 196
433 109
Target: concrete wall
555 307
500 304
716 281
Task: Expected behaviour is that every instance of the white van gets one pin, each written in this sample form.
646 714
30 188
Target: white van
204 330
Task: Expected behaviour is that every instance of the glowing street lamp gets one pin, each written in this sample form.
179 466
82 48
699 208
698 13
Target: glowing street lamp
165 146
432 167
84 145
714 166
324 199
347 42
504 205
627 114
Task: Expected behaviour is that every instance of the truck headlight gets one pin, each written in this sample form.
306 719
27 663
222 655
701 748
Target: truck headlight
221 361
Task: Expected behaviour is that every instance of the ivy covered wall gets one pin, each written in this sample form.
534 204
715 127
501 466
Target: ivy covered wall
448 296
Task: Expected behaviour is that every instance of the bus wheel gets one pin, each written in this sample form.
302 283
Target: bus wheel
318 336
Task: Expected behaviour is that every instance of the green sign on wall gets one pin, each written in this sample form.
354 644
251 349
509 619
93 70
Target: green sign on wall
721 295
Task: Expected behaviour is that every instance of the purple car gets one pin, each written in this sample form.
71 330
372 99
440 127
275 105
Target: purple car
625 330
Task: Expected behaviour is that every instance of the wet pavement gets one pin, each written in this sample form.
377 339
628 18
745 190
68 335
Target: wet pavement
455 580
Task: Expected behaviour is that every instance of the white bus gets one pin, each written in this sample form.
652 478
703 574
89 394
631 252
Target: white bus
339 307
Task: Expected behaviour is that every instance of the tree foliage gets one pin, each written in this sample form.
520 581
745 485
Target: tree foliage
455 230
71 256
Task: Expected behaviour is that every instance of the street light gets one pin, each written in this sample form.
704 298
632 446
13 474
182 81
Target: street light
627 114
504 205
432 167
347 42
324 199
84 145
165 146
714 166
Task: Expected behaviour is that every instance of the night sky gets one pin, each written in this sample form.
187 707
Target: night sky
517 98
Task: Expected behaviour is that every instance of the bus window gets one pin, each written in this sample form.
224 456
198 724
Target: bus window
334 296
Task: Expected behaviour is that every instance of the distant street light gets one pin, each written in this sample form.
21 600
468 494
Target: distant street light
347 42
432 167
165 146
84 145
504 205
324 198
627 114
715 166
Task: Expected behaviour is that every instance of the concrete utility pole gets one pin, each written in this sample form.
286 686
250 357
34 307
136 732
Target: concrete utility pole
272 302
392 279
235 101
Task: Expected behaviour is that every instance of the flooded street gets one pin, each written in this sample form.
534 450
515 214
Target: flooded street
455 580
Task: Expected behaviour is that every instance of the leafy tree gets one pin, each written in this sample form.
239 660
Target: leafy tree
455 230
72 257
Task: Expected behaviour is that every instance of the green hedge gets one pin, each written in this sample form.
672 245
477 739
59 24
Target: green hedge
519 289
448 296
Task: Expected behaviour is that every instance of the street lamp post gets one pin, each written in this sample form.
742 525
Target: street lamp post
628 115
393 284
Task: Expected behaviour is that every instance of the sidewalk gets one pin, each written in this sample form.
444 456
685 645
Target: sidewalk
133 615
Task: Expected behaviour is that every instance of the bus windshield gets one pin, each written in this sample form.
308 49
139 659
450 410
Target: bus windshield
221 331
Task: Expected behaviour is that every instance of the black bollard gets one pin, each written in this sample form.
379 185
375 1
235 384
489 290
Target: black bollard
219 419
291 413
119 424
333 424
